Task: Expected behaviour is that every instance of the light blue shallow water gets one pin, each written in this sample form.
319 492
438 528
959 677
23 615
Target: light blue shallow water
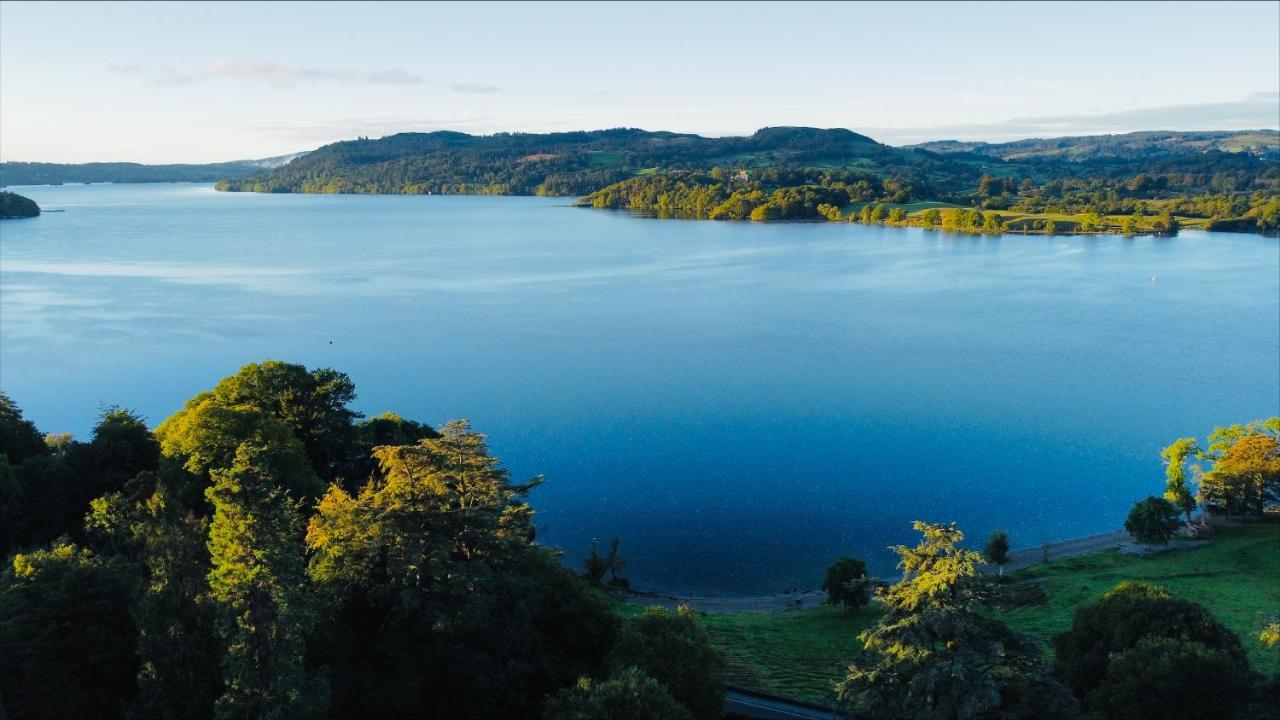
740 403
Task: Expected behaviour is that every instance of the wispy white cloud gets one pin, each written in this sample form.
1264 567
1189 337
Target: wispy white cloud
280 74
320 132
1260 110
470 87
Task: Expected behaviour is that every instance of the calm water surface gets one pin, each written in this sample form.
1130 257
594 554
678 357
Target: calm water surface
740 403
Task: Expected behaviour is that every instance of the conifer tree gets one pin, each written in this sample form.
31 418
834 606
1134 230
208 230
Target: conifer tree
258 582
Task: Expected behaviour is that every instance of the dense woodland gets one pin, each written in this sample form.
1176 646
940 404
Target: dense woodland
267 552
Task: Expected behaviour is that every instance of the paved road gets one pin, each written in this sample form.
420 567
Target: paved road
744 705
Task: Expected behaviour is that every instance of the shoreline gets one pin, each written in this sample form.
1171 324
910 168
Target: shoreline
1019 559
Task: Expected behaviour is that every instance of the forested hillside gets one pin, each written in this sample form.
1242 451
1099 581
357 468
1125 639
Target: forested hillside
575 163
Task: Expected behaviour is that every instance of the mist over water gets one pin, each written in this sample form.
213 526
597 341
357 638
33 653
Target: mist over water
740 403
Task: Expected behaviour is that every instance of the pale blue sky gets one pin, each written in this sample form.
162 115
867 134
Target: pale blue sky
207 82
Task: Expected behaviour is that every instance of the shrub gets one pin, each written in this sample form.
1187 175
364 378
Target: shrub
675 650
1129 613
629 695
1162 677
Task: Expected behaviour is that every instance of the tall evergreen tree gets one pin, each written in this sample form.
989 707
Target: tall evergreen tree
258 583
933 655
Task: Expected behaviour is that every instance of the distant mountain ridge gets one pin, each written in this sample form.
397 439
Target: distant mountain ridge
580 162
1135 145
39 173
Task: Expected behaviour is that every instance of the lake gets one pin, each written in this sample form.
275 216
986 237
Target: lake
739 403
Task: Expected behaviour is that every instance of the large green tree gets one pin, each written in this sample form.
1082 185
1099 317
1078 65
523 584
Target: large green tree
271 400
258 585
1246 477
67 640
1152 521
313 403
934 655
438 602
177 642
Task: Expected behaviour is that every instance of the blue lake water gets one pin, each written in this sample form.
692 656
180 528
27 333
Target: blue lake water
740 403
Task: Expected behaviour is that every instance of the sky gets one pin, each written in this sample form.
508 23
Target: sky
208 82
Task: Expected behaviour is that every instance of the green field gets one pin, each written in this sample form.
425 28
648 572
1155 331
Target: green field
802 653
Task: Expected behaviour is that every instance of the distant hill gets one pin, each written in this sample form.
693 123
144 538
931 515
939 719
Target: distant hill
571 163
1144 145
37 173
13 205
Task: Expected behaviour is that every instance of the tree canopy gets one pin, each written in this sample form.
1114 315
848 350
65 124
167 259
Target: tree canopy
934 655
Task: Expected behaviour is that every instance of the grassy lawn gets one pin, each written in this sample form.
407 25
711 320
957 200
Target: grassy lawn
802 653
795 653
1237 577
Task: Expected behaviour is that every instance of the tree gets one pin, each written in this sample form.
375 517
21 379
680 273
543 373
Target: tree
437 602
1177 490
628 695
897 215
933 655
615 563
847 583
1163 677
121 447
177 641
258 585
310 405
1126 614
19 438
1092 222
996 551
595 566
1246 478
1152 521
1165 224
830 212
66 636
1050 227
205 436
931 217
675 650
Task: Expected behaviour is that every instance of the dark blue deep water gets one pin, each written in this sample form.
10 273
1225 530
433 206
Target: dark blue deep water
740 403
